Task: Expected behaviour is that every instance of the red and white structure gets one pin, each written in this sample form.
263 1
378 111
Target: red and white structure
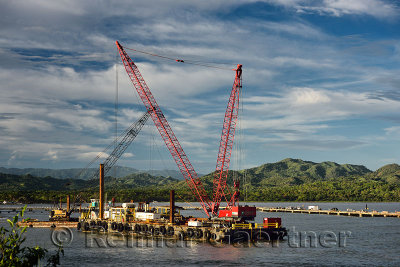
220 188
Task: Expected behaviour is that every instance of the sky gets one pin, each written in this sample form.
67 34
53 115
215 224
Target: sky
321 80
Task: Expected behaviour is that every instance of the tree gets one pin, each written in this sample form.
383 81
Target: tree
12 251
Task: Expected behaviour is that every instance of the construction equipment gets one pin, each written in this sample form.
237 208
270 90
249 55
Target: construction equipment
123 141
226 225
165 130
126 138
220 189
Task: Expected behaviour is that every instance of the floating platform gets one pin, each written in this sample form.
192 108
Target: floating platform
207 230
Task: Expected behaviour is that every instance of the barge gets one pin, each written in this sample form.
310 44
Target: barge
142 220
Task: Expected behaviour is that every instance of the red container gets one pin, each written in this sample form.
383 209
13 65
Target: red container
272 222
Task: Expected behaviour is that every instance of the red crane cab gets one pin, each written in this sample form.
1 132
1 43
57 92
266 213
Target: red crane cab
239 212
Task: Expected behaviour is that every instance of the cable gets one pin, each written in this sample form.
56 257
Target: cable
116 108
246 182
193 207
191 62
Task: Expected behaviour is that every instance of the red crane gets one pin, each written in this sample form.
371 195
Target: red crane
165 130
220 189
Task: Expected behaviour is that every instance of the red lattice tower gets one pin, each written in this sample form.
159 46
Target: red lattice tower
165 130
220 189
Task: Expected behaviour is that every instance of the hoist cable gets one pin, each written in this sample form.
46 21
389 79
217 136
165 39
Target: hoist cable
191 62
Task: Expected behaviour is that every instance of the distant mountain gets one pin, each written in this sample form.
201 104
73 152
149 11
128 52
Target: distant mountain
67 173
389 173
171 173
12 182
117 171
287 172
296 171
27 182
139 180
286 180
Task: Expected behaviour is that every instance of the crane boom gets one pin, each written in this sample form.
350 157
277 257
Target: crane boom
126 138
225 147
165 130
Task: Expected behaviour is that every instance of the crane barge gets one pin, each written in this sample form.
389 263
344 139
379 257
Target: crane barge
228 224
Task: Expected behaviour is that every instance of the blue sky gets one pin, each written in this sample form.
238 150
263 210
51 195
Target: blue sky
320 80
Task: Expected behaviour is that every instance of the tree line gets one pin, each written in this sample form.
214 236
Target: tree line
338 190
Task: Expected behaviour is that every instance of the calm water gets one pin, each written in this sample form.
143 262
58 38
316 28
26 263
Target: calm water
341 241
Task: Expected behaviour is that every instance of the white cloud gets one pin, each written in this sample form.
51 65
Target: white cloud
62 100
308 96
376 8
52 155
300 112
294 28
87 156
128 155
15 126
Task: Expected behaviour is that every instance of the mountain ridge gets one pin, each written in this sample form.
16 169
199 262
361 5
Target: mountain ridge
287 172
73 173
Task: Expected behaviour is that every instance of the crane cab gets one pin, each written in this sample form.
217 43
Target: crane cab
239 212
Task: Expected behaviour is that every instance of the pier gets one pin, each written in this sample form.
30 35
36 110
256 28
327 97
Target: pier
37 208
48 224
354 213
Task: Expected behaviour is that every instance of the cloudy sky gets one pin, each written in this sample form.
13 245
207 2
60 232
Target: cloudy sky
321 80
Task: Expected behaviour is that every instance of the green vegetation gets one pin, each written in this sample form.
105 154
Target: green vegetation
286 180
75 173
10 182
13 253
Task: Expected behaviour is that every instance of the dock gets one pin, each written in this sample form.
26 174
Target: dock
48 224
353 213
37 208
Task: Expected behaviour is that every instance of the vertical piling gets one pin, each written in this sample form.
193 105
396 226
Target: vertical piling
68 204
101 204
171 206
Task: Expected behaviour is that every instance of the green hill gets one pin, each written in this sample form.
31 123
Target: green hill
285 172
296 172
11 182
389 173
286 180
75 173
291 172
139 180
